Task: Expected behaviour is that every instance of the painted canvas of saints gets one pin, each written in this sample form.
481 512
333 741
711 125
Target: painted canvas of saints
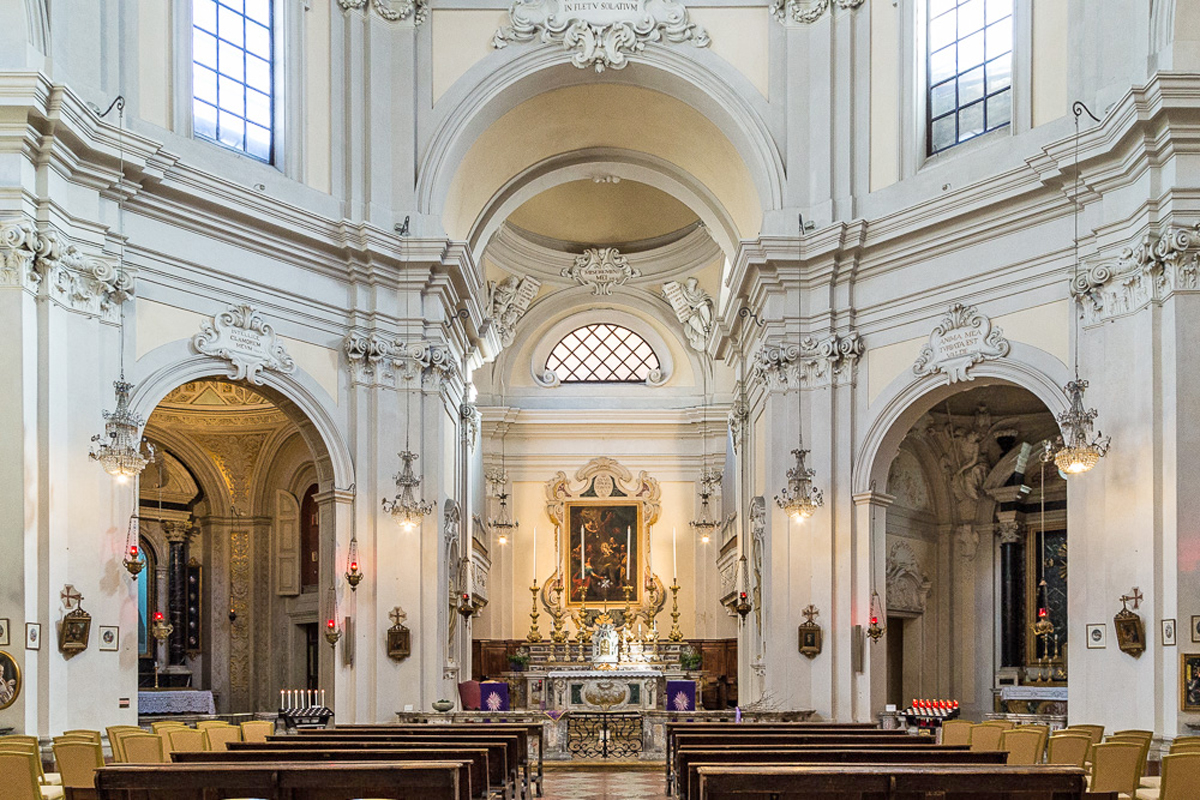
603 554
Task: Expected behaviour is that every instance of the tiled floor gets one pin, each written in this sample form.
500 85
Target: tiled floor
605 784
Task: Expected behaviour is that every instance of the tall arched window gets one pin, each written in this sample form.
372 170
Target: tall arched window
602 353
147 590
232 79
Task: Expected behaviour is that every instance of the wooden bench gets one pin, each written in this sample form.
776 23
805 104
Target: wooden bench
498 774
535 730
517 743
886 782
430 780
691 760
476 758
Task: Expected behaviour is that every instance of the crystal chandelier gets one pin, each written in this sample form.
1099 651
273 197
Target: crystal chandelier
800 499
119 449
1078 451
405 508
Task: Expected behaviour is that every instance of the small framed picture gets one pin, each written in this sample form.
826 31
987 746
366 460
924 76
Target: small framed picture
3 633
33 636
1189 681
109 637
1168 633
1196 629
1097 636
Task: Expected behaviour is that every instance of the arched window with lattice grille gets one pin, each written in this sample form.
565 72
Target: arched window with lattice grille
603 353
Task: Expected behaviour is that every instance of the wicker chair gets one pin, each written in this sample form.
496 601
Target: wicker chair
1115 768
143 748
77 762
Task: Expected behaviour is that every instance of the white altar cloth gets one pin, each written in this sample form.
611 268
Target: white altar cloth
1033 693
176 701
607 674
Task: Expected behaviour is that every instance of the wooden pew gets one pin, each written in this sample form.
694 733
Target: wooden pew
498 773
751 735
691 760
429 780
476 786
516 742
536 732
892 782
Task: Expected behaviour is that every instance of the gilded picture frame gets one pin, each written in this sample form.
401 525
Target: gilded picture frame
604 552
1131 633
1189 682
809 639
10 679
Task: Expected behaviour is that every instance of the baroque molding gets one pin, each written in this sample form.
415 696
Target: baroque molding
814 362
1148 273
962 339
242 337
601 33
392 11
509 300
693 308
468 414
907 584
807 11
45 263
376 359
601 268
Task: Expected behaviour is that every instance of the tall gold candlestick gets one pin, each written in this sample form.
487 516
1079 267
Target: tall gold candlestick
676 634
534 634
559 635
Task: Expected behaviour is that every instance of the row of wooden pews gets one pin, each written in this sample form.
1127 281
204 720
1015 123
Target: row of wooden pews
397 762
789 761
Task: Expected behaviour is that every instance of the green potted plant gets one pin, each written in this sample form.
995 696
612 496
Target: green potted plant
519 660
689 658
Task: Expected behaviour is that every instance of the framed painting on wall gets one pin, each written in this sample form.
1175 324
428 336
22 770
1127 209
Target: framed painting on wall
1189 681
603 554
10 680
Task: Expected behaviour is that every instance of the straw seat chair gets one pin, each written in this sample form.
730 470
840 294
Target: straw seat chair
77 762
21 776
1068 749
1024 746
257 730
143 748
1095 732
90 734
985 737
956 731
30 745
1180 779
115 732
212 723
185 740
1002 724
165 725
215 738
1115 768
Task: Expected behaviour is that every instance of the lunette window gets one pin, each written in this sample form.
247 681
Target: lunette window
232 80
969 69
602 353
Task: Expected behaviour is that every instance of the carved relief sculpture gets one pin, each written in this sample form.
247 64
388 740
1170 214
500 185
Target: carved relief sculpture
962 339
907 584
602 35
807 11
509 300
242 337
1157 266
601 268
693 308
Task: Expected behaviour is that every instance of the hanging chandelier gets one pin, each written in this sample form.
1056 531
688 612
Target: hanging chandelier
503 523
800 499
354 573
1078 450
405 508
706 524
119 448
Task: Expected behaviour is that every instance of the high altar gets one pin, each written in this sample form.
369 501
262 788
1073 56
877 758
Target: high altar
604 652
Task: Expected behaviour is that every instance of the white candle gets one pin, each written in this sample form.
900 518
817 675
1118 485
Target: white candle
674 558
535 553
582 552
322 698
627 543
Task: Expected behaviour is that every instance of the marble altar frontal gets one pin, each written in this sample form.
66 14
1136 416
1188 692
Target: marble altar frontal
602 690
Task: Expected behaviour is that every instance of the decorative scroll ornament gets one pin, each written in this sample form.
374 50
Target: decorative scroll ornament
693 308
601 268
907 584
814 363
602 33
807 11
961 340
242 337
469 415
392 10
509 300
376 359
1159 265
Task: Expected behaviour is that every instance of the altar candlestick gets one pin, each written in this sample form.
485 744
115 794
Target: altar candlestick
674 557
322 698
281 701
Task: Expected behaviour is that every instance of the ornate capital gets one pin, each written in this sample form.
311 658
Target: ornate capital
600 34
392 10
814 362
1010 532
962 339
807 11
242 337
46 263
376 359
1149 272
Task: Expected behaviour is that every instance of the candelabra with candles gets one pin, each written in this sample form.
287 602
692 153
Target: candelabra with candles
160 629
303 708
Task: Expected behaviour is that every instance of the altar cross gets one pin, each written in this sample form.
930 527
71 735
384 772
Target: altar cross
397 615
1134 597
70 597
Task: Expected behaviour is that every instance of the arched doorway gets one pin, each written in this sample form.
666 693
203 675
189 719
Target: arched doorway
236 564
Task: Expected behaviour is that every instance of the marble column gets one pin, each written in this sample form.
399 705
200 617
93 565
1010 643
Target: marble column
177 534
1012 592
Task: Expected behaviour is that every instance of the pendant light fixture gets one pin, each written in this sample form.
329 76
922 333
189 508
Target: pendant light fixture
705 524
119 448
1078 450
800 499
1043 626
354 573
504 524
332 631
405 508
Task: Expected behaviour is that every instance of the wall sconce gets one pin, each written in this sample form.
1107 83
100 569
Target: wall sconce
354 575
875 630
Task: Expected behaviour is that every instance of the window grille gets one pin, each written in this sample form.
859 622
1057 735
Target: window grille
602 353
969 69
232 81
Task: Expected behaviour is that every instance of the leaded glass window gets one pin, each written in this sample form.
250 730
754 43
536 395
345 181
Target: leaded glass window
602 353
232 83
970 69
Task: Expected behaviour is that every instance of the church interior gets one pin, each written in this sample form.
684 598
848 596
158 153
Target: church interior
473 398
